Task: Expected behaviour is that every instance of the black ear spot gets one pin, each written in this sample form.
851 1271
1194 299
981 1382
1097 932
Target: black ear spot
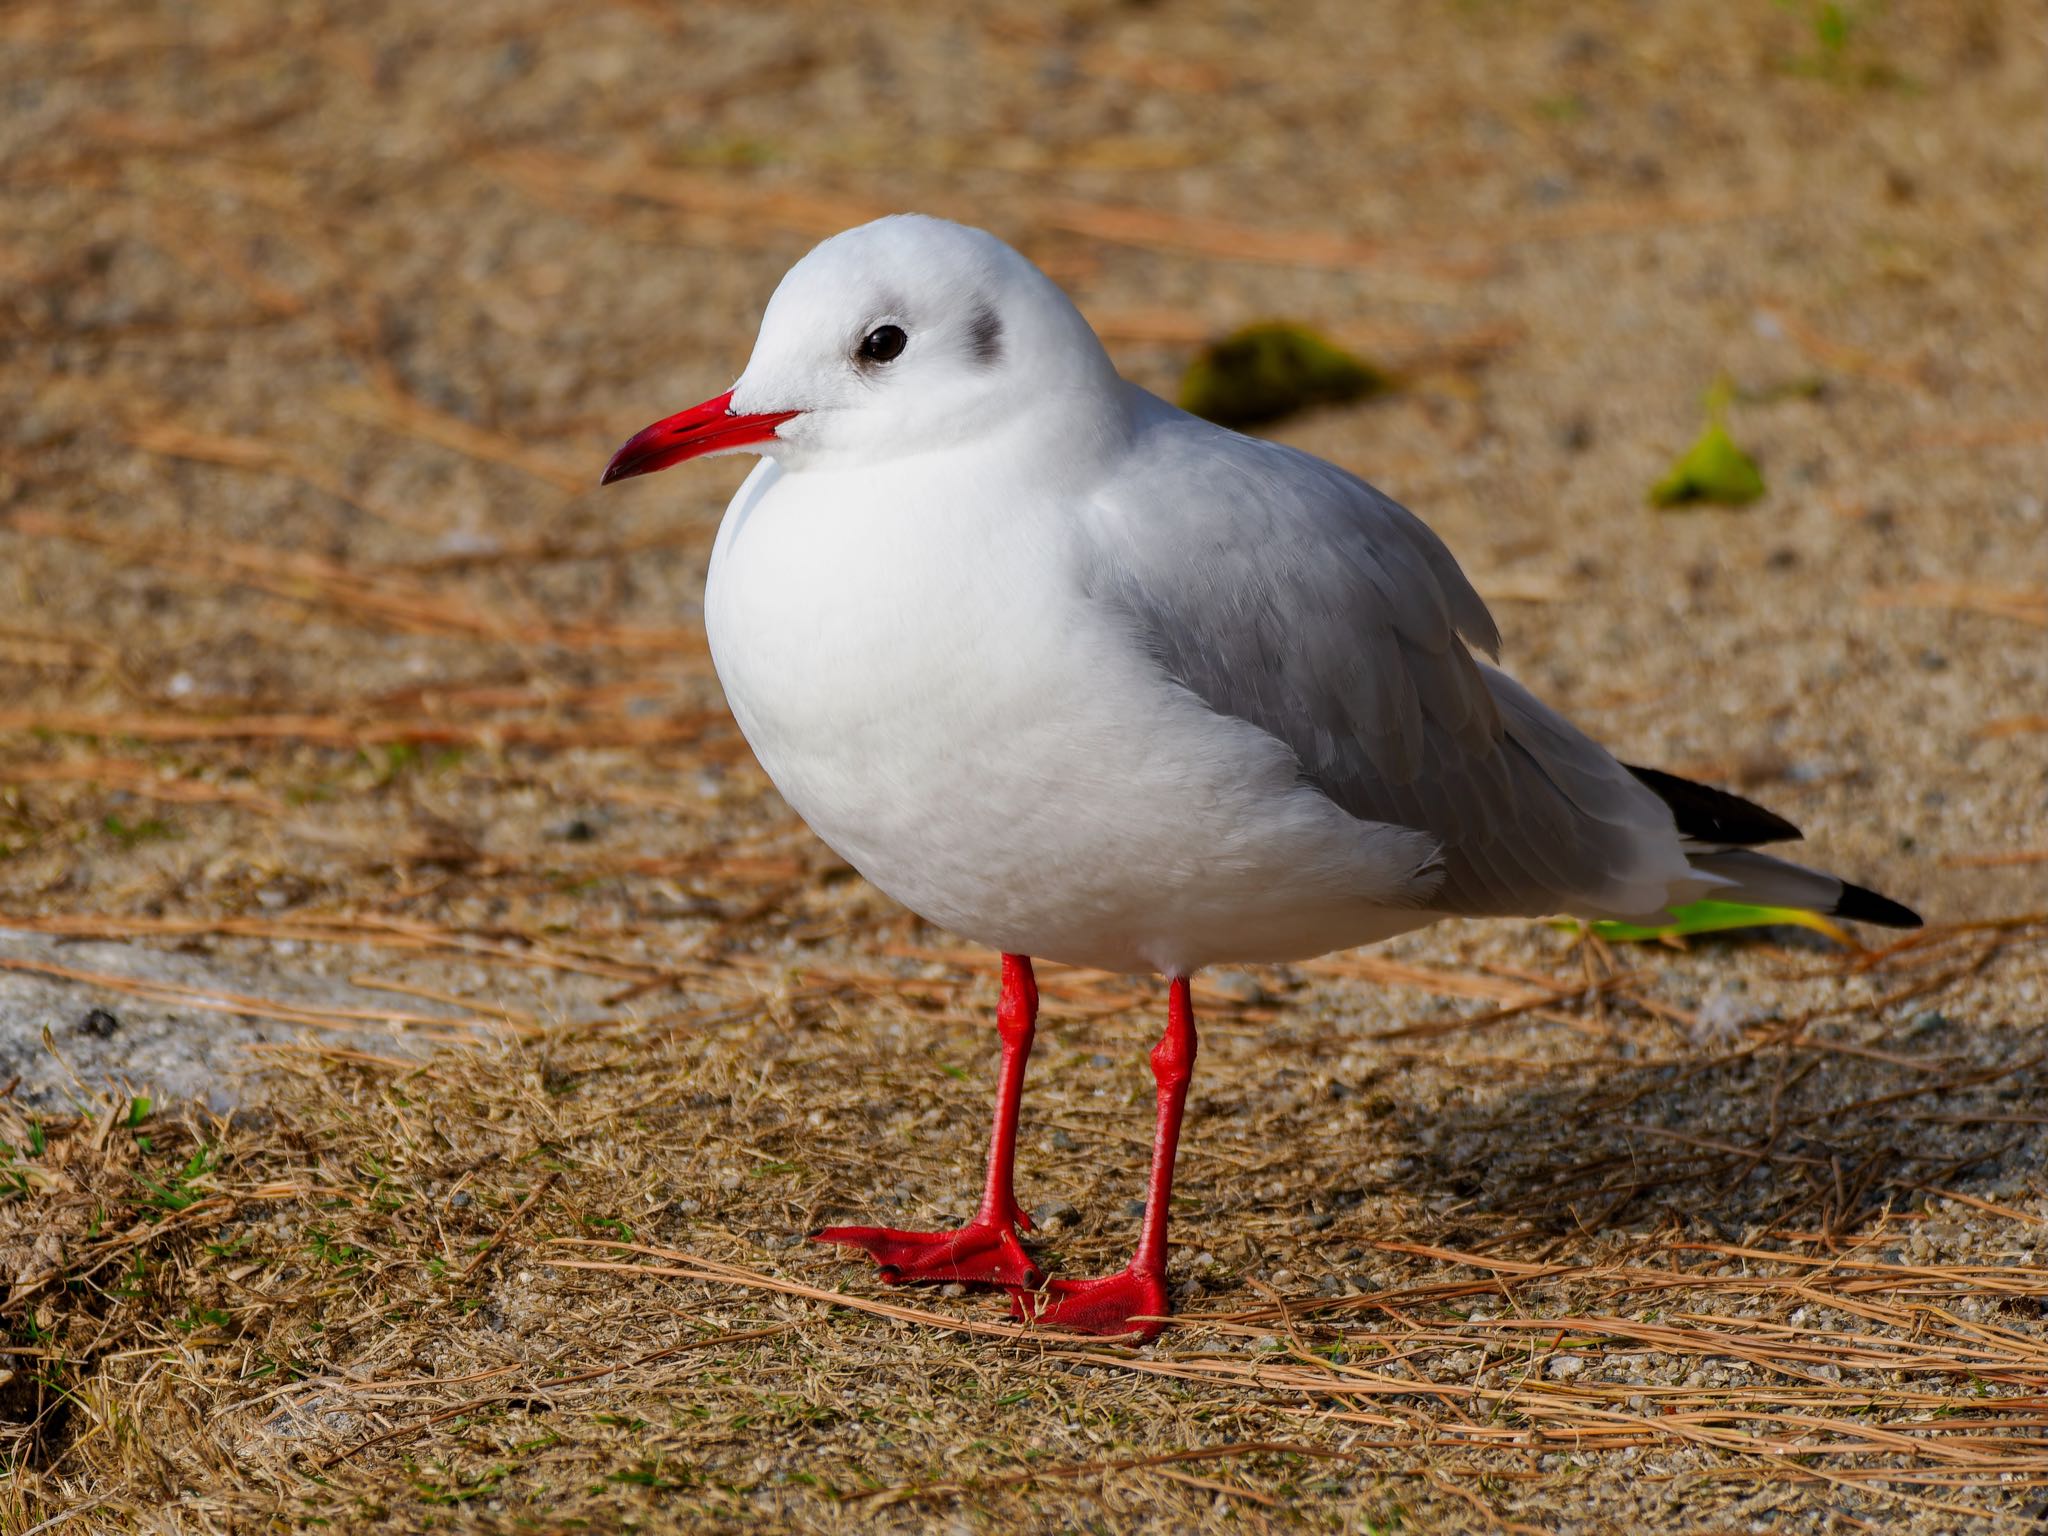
985 336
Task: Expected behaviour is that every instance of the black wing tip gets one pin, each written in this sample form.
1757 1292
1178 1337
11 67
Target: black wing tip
1866 906
1711 815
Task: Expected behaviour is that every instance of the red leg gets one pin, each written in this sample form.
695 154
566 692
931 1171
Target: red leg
1121 1302
985 1251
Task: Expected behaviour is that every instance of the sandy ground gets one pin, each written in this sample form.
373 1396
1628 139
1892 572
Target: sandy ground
344 721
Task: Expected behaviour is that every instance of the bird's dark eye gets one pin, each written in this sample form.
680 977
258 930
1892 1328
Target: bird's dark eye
883 343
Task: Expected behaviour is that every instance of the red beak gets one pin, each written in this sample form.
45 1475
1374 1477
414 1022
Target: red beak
708 428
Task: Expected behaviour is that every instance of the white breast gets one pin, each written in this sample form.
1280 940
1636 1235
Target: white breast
919 673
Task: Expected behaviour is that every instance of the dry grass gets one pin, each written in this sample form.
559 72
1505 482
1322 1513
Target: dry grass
548 1275
338 714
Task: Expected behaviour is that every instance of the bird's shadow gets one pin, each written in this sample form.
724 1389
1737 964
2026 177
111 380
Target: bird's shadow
1802 1137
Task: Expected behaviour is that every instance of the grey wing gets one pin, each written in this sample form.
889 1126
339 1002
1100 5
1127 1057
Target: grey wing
1285 592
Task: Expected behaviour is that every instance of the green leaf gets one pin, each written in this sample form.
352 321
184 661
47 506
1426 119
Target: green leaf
1718 917
150 829
1273 369
1712 470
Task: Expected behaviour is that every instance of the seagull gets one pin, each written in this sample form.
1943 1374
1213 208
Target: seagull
1082 677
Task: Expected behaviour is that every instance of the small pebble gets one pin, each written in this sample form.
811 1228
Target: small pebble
1241 986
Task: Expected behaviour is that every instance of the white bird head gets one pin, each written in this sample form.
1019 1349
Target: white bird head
903 336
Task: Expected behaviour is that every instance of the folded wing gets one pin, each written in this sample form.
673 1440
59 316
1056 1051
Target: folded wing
1285 592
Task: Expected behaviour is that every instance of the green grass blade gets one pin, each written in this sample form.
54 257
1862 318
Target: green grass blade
1718 917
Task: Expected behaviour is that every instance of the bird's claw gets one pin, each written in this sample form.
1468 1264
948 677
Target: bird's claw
984 1252
1131 1301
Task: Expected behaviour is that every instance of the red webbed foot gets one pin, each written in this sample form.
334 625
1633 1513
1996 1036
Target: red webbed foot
984 1252
1129 1301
